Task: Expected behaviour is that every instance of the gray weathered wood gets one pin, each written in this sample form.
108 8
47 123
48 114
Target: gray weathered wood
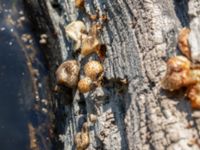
140 35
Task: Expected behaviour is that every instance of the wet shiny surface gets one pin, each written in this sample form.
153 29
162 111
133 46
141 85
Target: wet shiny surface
13 94
23 76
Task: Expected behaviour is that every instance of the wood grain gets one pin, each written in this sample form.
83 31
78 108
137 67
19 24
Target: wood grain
140 35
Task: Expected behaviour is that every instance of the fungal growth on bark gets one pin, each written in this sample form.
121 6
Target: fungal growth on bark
193 93
132 111
82 139
91 43
93 74
183 43
75 30
68 73
79 3
94 70
178 73
85 85
181 72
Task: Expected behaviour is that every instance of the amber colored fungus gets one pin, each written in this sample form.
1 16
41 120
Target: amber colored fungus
79 3
82 139
88 43
181 73
178 73
85 85
93 69
91 43
183 43
193 93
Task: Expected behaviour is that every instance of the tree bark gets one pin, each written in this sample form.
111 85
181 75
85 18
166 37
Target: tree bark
140 35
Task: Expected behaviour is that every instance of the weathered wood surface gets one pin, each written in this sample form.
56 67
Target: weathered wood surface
140 35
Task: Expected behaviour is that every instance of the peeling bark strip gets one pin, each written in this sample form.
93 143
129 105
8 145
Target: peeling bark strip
140 35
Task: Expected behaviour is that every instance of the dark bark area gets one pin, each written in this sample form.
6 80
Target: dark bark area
140 36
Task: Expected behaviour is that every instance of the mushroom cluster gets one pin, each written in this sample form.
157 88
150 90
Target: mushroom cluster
93 74
68 73
88 43
181 72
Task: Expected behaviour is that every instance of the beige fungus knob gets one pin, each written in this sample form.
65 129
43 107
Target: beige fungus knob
68 73
93 69
82 139
178 73
89 45
85 85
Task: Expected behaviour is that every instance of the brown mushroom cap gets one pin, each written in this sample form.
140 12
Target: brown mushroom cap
178 73
85 85
82 140
93 69
68 73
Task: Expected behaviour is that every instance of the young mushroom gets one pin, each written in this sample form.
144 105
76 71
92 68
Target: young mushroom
94 70
183 43
85 85
68 73
178 74
75 30
193 93
82 139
